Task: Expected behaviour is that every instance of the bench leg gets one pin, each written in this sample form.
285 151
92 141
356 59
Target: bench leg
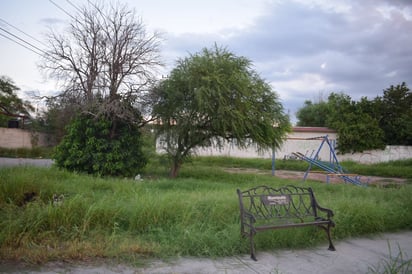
327 230
331 246
252 247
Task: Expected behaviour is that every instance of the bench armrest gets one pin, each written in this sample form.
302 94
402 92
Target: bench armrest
247 221
249 216
328 211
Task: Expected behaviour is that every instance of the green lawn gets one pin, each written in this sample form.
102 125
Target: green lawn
196 214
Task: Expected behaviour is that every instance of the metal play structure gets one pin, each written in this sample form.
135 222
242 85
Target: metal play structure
332 168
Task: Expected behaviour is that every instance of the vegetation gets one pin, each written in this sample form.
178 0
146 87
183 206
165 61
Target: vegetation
113 65
51 214
366 124
106 62
11 106
211 97
357 129
313 114
60 112
396 264
91 147
399 168
396 115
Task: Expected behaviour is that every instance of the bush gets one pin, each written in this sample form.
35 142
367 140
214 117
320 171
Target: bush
101 147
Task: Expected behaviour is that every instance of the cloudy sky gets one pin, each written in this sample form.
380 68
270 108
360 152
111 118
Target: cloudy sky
304 48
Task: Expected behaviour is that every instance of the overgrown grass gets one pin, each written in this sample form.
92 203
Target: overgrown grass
196 214
399 168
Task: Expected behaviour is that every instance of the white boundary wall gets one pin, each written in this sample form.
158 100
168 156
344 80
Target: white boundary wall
299 141
296 142
390 153
20 138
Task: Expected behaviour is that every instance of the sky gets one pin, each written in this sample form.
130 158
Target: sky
305 49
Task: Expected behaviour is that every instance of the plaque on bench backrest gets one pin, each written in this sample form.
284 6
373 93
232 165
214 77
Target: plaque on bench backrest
275 199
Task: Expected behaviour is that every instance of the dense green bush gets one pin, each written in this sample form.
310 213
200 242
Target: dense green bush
101 146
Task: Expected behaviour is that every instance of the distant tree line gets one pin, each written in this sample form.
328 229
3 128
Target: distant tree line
365 124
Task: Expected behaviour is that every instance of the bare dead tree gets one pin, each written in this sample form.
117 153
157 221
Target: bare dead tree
106 59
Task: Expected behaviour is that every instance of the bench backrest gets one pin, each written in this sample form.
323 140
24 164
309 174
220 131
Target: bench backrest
289 202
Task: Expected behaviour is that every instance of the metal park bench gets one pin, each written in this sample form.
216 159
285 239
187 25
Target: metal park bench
265 208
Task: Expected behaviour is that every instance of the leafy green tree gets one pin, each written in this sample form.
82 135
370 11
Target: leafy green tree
214 96
89 146
356 123
313 114
357 129
396 114
367 124
10 104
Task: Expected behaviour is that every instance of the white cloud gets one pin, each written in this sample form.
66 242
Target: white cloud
199 17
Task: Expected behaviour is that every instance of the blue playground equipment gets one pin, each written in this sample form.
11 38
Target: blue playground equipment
333 167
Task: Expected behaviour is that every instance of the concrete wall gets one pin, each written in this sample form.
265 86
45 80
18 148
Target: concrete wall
305 141
19 138
390 153
301 140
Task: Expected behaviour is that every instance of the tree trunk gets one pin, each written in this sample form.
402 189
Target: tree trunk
174 171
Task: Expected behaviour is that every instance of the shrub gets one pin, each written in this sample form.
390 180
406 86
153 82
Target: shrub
101 146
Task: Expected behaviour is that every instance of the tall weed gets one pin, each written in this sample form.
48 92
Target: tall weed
395 264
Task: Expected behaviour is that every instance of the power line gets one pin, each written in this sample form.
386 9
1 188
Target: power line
27 45
11 39
22 40
16 28
60 8
73 5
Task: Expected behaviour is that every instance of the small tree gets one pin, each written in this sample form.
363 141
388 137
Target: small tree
10 104
105 59
106 62
357 129
214 96
313 114
356 123
396 114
